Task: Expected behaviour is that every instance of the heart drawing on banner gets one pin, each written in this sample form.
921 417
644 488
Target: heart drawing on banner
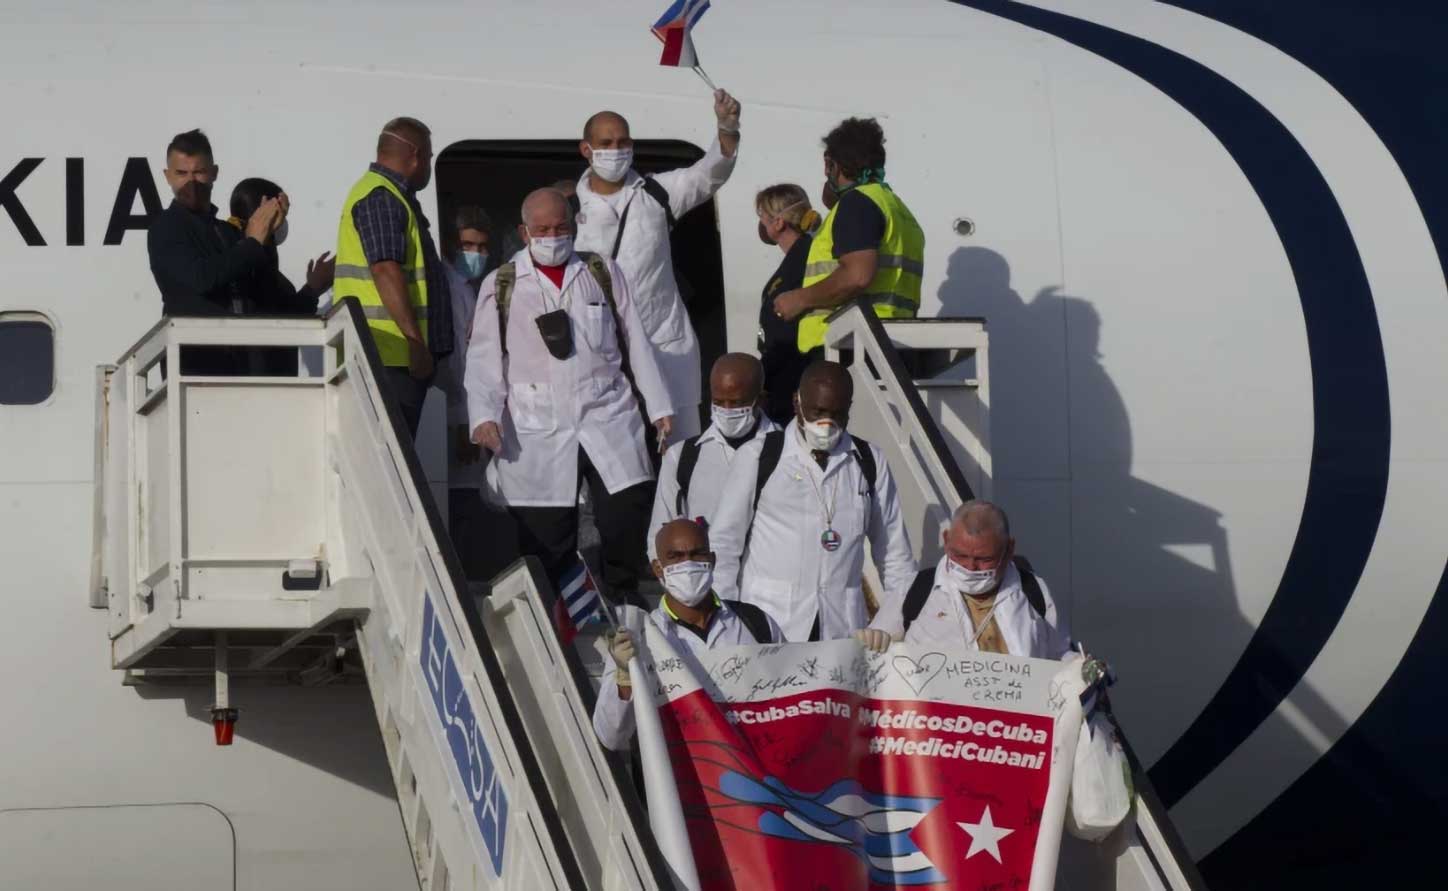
919 673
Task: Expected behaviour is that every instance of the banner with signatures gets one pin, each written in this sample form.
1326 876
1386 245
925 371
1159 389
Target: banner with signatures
824 765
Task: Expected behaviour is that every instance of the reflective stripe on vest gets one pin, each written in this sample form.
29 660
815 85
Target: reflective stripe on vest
353 274
894 292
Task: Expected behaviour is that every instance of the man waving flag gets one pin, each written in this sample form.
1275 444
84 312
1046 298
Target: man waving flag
675 29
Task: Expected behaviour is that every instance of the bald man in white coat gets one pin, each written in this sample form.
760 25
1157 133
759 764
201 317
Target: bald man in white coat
627 216
553 404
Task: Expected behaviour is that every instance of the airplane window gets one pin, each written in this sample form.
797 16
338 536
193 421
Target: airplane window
27 358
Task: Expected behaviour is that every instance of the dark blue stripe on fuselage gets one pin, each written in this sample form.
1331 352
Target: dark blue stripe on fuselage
1347 479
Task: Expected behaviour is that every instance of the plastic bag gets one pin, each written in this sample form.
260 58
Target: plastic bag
1101 788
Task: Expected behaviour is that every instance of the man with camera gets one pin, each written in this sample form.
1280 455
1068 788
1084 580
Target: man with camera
556 352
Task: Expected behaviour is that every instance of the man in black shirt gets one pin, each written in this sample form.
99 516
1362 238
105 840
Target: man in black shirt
198 264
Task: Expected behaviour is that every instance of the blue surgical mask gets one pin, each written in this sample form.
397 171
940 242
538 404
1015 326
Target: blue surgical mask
470 263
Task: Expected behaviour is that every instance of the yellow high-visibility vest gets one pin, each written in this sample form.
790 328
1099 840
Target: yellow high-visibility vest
894 292
354 273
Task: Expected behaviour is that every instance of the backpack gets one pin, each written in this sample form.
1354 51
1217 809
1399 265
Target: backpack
688 459
774 447
507 277
925 583
769 459
655 190
754 619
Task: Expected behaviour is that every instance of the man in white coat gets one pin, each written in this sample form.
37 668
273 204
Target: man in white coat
691 616
797 508
627 216
692 477
550 398
980 596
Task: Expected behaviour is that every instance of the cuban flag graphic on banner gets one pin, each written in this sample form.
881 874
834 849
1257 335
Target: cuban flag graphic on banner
675 29
823 765
579 603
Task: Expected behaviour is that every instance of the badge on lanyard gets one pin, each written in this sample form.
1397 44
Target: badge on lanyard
830 540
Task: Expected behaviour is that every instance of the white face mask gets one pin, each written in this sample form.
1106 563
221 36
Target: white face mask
969 581
689 582
611 165
553 251
733 422
821 435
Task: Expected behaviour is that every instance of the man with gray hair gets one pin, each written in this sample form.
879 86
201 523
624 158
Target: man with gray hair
554 337
981 595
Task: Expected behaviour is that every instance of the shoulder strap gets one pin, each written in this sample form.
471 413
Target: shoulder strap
1031 586
773 447
657 192
503 293
768 460
688 458
599 269
866 456
917 595
754 619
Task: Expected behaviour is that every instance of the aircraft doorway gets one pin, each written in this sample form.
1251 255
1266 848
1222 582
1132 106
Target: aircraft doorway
497 174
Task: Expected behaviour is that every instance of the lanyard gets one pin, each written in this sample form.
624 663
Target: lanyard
827 508
984 622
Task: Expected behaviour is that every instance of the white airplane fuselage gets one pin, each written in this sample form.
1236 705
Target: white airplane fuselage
1216 415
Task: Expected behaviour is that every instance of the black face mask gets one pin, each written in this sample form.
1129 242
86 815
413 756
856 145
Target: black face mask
764 235
557 333
195 195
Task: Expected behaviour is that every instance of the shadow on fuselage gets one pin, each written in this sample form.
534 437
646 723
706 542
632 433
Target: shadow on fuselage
1144 574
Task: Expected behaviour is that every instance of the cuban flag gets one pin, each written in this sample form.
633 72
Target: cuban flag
579 604
675 27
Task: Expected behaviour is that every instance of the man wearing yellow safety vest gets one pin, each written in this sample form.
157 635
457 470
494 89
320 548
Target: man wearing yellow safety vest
386 258
869 248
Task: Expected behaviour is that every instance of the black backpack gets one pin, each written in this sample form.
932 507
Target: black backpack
925 583
688 459
754 619
774 447
769 459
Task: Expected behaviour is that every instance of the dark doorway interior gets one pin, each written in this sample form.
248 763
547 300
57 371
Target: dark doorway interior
497 174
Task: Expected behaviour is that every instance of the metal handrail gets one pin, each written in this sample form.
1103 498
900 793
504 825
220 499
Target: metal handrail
401 440
864 332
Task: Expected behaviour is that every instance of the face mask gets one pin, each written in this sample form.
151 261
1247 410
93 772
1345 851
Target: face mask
689 582
280 235
611 165
764 235
551 251
821 436
470 263
195 195
969 581
733 422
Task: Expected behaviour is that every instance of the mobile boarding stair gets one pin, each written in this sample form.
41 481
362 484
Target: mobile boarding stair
281 528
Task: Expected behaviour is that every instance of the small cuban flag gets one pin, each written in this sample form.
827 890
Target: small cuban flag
675 29
579 603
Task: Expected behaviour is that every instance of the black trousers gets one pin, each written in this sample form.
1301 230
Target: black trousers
551 533
409 392
481 533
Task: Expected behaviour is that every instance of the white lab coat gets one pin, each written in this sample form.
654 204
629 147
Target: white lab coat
944 620
451 373
613 717
786 572
547 408
705 486
644 255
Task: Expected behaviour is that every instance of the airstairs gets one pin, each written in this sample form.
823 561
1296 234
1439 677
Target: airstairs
279 529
